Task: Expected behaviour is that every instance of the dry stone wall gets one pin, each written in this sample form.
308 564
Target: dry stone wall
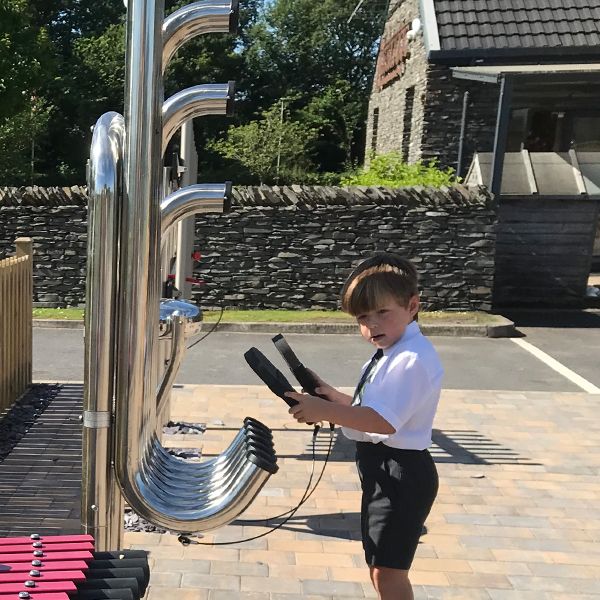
288 247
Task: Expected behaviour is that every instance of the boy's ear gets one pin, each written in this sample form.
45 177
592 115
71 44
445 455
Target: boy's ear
413 305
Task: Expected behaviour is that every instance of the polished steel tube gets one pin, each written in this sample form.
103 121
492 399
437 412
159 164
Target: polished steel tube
205 16
190 200
195 101
135 414
177 352
127 221
100 500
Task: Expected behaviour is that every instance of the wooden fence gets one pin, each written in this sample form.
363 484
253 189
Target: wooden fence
16 290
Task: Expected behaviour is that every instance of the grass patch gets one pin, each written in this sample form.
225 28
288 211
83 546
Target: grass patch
64 314
279 316
290 316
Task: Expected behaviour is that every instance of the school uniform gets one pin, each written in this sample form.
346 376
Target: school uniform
399 480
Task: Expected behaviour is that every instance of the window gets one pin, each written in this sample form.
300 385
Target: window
374 128
409 100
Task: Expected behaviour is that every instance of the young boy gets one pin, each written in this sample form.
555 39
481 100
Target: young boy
390 417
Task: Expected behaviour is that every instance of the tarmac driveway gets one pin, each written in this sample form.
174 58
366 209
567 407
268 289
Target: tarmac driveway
470 363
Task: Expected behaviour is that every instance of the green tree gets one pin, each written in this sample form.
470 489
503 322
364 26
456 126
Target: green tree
18 135
272 148
307 49
24 61
88 52
88 37
338 115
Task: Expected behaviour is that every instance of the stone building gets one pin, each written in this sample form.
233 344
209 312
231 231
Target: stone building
442 64
506 93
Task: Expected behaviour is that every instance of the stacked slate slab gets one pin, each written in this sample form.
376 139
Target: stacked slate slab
287 247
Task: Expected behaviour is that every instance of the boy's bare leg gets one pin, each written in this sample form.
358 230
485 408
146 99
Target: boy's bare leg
391 584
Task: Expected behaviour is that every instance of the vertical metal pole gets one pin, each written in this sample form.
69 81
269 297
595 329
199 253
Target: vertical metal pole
501 136
185 228
461 141
101 501
279 145
135 402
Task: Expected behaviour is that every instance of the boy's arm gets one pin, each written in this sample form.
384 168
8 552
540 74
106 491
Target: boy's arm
311 409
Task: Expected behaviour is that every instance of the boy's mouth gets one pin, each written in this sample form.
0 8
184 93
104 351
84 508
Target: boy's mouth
377 337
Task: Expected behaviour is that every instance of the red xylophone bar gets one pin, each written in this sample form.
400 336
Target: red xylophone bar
67 568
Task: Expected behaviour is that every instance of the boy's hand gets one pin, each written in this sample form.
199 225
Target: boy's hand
309 409
328 391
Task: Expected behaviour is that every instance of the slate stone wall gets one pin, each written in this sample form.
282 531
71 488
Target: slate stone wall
442 116
287 247
56 219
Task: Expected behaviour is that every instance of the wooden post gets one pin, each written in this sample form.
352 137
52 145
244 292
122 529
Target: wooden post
24 246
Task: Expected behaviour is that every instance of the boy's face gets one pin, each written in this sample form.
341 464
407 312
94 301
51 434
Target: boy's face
384 326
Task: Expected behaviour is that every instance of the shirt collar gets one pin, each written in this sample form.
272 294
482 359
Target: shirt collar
410 332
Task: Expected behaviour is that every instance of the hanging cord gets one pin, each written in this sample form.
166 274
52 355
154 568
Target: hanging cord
210 331
185 539
307 494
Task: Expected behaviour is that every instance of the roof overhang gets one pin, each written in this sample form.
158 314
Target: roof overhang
469 56
555 72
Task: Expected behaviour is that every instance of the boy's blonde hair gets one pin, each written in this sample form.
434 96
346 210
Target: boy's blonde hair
376 279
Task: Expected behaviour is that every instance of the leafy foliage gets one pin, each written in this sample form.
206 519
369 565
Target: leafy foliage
272 148
24 59
306 49
68 56
389 170
17 142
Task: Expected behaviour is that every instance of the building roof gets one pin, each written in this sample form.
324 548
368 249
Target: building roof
563 71
545 173
517 24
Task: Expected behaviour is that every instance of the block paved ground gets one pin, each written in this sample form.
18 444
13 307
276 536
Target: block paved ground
516 517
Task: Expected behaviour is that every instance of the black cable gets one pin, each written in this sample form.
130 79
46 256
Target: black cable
208 332
185 540
307 494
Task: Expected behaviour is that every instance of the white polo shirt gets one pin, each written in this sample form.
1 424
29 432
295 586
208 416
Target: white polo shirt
405 391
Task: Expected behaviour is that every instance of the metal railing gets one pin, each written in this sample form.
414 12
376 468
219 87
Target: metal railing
16 289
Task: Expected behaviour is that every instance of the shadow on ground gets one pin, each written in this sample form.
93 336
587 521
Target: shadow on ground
460 446
567 319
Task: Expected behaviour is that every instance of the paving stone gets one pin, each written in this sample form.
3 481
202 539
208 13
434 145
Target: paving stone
516 517
338 589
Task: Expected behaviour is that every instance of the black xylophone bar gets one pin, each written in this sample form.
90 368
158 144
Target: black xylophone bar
66 567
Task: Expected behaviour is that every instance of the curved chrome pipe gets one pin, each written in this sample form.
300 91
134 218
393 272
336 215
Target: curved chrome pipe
151 484
195 101
198 18
193 199
135 418
101 502
209 515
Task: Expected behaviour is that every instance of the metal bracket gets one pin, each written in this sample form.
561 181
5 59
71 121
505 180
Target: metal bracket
96 419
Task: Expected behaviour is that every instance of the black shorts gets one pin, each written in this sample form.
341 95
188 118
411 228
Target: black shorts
399 487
